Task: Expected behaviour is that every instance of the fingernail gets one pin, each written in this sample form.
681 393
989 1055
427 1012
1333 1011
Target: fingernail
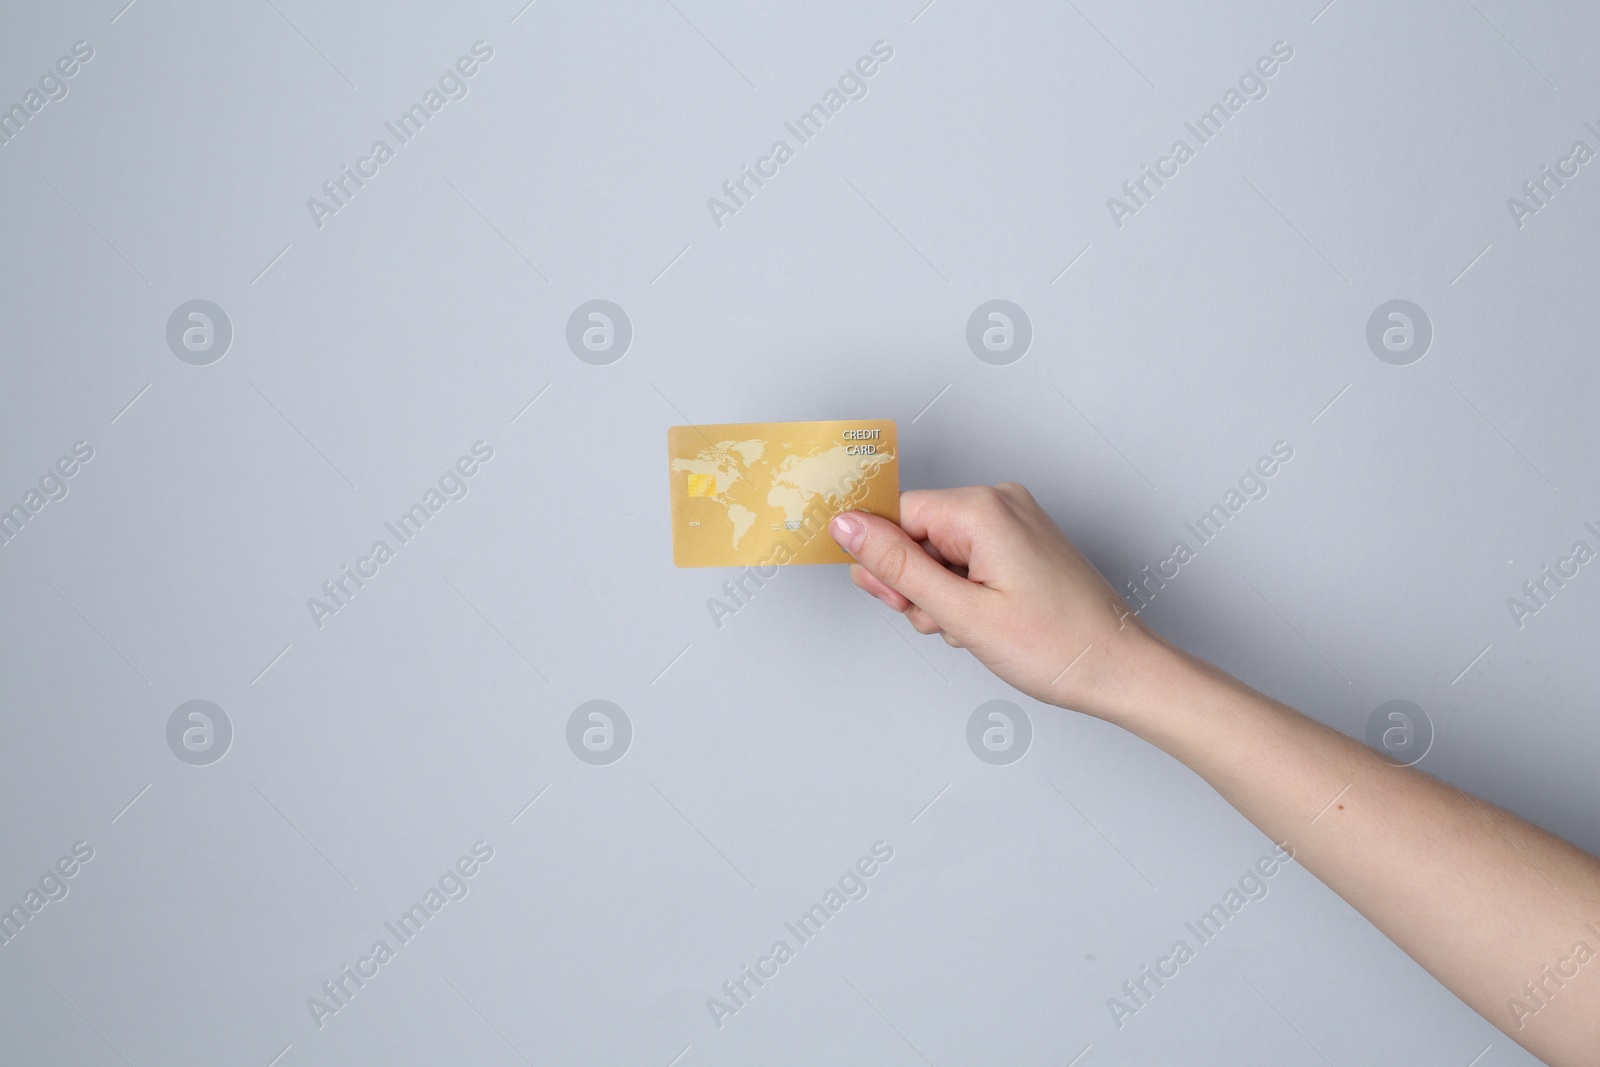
848 531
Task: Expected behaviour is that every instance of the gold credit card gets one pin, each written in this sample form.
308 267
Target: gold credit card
762 493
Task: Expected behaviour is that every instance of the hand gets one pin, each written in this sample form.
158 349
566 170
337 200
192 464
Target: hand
987 568
1477 896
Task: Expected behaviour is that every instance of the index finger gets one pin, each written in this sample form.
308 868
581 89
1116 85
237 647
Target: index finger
941 517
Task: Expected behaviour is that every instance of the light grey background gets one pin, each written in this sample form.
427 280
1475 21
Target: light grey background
368 354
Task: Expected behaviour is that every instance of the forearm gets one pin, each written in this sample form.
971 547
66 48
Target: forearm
1483 900
1492 906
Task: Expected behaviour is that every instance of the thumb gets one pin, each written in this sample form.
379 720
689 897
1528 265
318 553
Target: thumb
891 556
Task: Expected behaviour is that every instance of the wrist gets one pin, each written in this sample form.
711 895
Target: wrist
1148 682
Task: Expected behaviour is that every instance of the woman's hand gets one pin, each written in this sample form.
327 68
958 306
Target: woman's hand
986 567
1485 901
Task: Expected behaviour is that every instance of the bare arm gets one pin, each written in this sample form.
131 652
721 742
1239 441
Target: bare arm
1503 914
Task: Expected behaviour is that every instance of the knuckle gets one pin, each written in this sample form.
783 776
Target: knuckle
990 504
986 498
892 564
1015 492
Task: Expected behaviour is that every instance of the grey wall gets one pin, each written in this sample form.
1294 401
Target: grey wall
1172 345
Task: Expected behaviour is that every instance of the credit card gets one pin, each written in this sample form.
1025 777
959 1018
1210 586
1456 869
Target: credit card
760 494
